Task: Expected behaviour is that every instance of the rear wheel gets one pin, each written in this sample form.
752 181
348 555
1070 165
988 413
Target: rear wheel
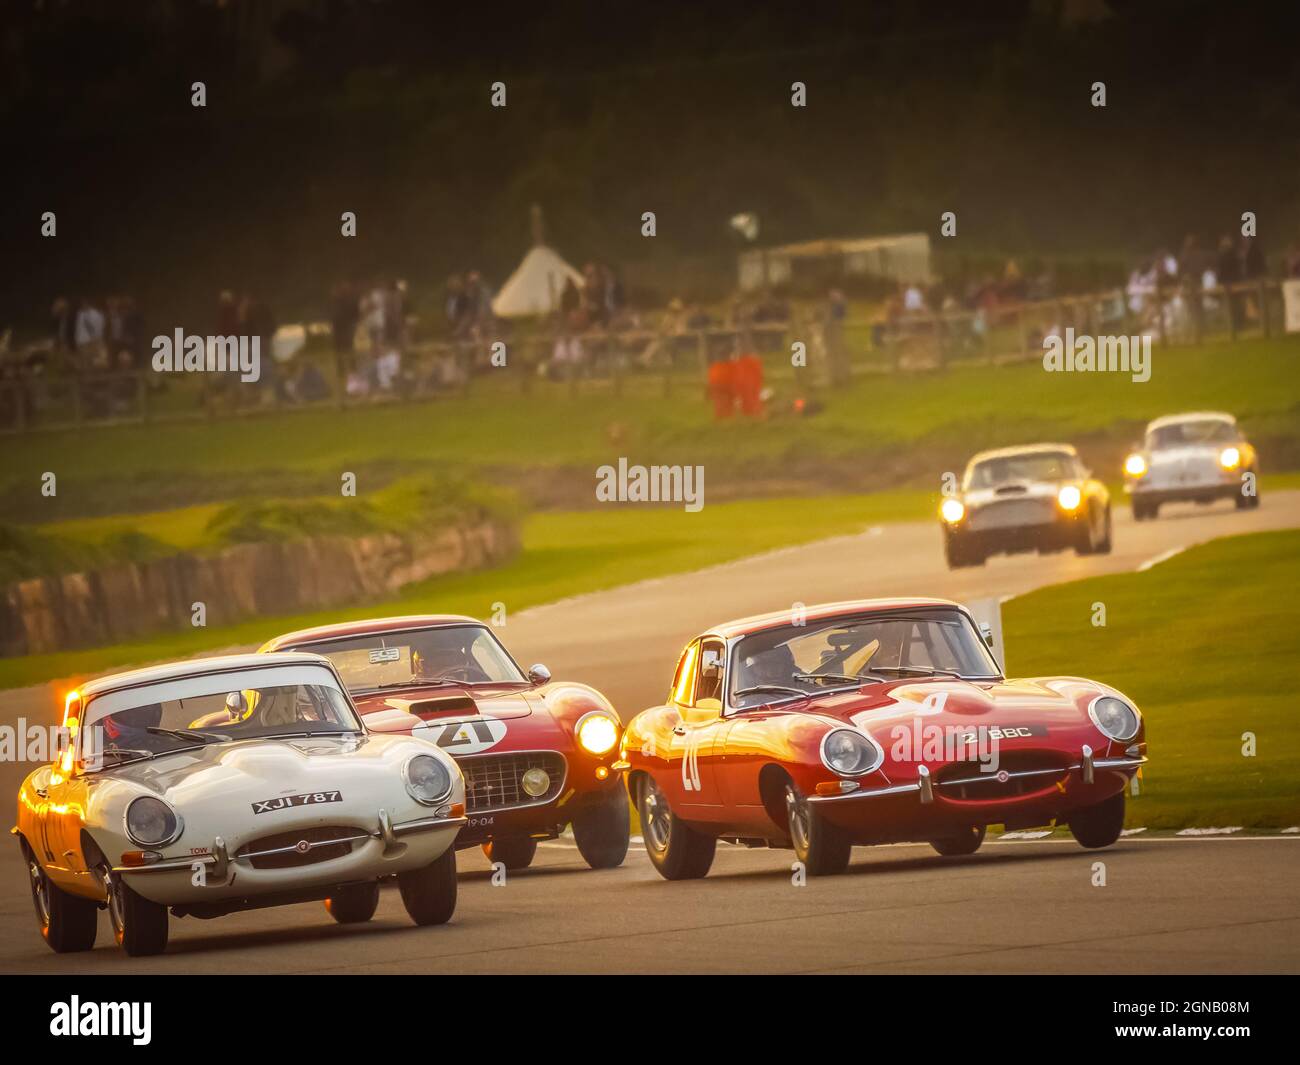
602 830
1099 825
67 922
1103 548
429 894
1145 511
139 924
967 841
823 848
353 904
676 850
514 853
959 555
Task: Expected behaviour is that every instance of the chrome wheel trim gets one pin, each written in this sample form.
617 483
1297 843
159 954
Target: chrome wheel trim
656 817
800 819
40 891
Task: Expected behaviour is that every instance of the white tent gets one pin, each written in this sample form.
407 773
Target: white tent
536 285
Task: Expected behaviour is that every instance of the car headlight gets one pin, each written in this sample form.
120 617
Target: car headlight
953 510
1069 497
850 753
1135 465
1230 458
1116 719
427 779
597 732
151 822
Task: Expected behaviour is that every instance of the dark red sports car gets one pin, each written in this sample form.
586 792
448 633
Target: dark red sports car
537 754
867 722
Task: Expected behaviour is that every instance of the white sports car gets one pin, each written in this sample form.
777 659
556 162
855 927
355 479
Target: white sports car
232 783
1194 458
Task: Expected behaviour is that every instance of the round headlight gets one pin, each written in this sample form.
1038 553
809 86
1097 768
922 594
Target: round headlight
1135 465
427 779
151 822
953 510
1116 719
535 781
1069 497
1229 458
850 753
597 733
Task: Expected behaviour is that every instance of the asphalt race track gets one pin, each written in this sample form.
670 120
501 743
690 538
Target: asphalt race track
1210 905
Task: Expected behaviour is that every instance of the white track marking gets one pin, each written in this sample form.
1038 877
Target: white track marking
1164 556
1132 831
1209 831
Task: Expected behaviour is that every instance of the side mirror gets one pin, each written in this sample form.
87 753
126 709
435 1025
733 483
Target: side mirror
987 632
538 673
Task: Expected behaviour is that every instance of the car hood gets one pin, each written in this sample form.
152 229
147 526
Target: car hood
407 709
979 497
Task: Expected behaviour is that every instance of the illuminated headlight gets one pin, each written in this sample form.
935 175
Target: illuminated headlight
535 782
1135 465
850 753
427 779
597 733
1069 497
1230 458
953 510
151 822
1116 719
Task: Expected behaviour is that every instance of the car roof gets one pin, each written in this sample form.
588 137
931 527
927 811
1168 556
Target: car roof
343 629
191 667
821 612
1023 449
1190 416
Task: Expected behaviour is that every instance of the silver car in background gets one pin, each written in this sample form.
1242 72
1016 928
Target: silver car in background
1198 457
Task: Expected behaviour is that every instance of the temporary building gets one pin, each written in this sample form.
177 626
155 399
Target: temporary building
536 285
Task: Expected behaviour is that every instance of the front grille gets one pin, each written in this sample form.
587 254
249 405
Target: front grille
492 781
300 847
1011 513
1026 772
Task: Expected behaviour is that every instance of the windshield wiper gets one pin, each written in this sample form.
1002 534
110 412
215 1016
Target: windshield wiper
834 676
918 671
188 734
759 689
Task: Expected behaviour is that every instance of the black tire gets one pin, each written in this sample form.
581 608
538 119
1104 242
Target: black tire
958 555
139 924
1099 825
823 848
676 850
1104 548
967 841
514 853
602 830
67 923
354 904
1145 511
429 894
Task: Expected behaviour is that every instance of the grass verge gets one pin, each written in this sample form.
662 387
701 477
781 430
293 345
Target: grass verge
1206 645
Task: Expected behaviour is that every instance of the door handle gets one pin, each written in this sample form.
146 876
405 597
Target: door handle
679 730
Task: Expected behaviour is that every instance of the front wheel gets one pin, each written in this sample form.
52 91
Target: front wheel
823 848
1145 511
514 854
1099 825
1107 530
602 830
676 850
967 841
139 924
67 922
354 904
429 894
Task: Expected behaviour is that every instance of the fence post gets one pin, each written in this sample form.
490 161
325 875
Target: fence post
1263 308
1230 302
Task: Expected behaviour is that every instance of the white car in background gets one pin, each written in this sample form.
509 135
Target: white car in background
232 783
1191 458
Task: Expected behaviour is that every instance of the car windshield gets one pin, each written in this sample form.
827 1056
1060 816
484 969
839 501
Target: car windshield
184 713
847 652
450 654
1191 433
1039 466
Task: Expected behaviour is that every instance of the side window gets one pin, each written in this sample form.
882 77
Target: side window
709 684
684 682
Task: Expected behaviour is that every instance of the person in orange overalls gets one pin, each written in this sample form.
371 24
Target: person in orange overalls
722 388
747 382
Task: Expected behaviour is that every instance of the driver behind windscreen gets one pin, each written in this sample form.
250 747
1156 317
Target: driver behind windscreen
129 729
445 655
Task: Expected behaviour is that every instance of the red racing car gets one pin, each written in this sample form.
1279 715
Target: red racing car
866 722
536 754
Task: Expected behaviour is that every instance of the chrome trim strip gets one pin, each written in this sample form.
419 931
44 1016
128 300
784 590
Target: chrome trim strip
896 789
986 777
294 848
428 824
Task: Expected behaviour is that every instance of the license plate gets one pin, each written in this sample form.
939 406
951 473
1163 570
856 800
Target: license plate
287 802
